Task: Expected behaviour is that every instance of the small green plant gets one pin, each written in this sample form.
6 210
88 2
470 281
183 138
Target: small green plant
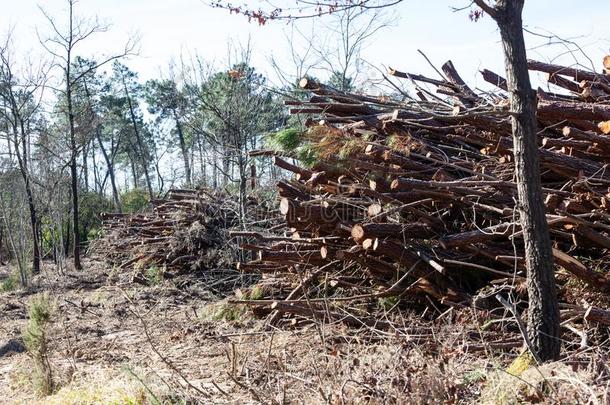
228 312
474 376
154 275
224 312
256 293
35 337
387 303
10 283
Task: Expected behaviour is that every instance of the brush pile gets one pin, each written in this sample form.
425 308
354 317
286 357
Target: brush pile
186 230
416 200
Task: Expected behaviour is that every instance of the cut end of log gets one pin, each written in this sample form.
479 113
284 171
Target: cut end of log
324 252
604 126
373 210
285 205
368 244
358 233
306 83
606 62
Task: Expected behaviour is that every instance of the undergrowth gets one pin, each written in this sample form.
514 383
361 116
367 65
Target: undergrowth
154 275
10 283
35 337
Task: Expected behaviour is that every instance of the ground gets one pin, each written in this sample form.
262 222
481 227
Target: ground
118 342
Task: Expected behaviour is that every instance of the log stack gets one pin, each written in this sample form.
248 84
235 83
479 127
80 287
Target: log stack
416 198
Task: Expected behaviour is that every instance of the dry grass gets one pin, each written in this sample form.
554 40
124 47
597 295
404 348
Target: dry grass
555 383
96 340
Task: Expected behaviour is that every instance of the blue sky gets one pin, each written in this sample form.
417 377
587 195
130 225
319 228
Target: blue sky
169 28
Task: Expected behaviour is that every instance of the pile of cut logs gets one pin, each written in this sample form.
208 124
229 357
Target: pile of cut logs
184 230
416 198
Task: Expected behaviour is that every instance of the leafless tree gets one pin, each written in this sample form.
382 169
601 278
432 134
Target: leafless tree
62 44
20 98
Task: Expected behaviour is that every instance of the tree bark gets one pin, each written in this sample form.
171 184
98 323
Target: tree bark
73 178
543 311
110 165
141 151
184 150
22 160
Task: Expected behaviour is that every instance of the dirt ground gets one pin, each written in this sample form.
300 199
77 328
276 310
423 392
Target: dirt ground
125 343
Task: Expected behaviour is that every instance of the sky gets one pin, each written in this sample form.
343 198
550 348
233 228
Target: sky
170 28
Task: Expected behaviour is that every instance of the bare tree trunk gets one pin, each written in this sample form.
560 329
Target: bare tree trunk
543 312
33 215
134 172
202 162
21 152
74 177
214 169
96 172
141 150
86 167
110 165
183 149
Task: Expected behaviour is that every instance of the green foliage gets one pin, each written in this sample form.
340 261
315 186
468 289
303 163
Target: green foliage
228 312
474 376
307 156
349 148
135 200
91 205
287 140
340 81
256 293
154 275
294 140
10 283
35 338
223 311
388 303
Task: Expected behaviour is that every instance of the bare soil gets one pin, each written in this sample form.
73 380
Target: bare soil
114 342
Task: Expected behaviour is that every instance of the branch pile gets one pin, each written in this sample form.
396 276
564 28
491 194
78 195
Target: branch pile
416 199
186 230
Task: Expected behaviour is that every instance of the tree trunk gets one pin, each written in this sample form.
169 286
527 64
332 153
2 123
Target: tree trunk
143 155
183 149
202 162
110 165
74 177
23 168
543 312
214 169
134 171
86 167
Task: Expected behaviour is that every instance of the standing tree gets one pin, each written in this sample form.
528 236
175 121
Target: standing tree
168 102
19 108
236 108
96 96
62 46
130 91
543 312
